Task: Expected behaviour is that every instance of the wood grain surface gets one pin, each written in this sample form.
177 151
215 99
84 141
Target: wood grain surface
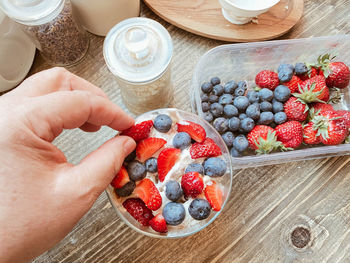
204 18
294 212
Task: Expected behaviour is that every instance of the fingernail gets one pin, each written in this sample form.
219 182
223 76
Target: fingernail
128 145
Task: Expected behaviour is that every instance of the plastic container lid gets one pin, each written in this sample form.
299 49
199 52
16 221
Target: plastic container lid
138 50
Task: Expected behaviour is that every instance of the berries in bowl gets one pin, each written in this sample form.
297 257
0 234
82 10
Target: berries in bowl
178 179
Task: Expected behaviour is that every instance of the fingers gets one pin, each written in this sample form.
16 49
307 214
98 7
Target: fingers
48 115
88 127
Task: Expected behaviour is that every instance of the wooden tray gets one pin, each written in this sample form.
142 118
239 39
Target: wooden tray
204 18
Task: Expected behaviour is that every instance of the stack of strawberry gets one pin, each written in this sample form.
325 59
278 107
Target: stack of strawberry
311 119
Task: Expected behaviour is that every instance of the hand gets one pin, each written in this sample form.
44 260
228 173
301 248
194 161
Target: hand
42 196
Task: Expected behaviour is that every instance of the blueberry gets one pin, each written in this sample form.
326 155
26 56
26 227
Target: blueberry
300 69
240 143
214 167
226 99
208 116
213 98
136 170
218 90
242 116
234 152
277 106
204 97
285 66
230 87
162 123
280 117
281 93
285 72
266 118
220 124
265 106
205 106
230 111
126 190
199 209
207 87
173 190
216 109
242 84
195 167
233 124
174 213
151 165
239 92
241 103
228 138
215 81
253 96
247 124
253 111
181 140
130 157
265 94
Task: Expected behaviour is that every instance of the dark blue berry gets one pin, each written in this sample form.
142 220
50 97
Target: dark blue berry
242 84
218 90
277 106
247 124
285 66
280 117
234 152
216 109
162 123
240 143
253 96
230 87
126 189
265 94
300 69
151 165
230 111
181 140
173 191
136 170
242 116
281 93
226 99
131 157
214 167
199 209
205 106
233 124
239 91
195 167
208 116
253 111
266 118
285 72
228 138
220 124
265 106
207 87
215 81
213 98
241 103
174 213
204 97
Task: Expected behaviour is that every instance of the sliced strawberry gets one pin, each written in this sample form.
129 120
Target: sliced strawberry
149 194
214 194
192 184
166 160
196 131
138 210
208 148
147 147
139 131
158 224
121 178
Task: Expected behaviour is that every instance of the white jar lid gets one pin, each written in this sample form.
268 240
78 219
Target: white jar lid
138 50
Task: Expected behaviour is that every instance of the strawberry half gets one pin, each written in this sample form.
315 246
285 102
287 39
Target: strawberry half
158 224
196 131
149 194
121 178
138 210
208 148
147 147
214 194
192 184
166 160
139 131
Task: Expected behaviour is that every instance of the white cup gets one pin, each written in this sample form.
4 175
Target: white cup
243 11
16 53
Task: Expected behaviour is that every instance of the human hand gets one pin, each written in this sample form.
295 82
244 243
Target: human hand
42 196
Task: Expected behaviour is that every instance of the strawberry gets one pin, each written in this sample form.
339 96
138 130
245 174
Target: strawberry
139 131
320 107
166 160
196 131
138 210
312 73
208 148
267 79
310 134
121 178
213 194
295 109
290 134
263 139
158 224
192 184
147 147
149 194
346 116
314 89
293 84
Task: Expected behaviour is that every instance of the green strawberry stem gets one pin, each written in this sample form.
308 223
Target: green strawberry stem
269 144
308 95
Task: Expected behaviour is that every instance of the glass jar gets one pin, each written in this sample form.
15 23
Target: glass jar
52 28
138 52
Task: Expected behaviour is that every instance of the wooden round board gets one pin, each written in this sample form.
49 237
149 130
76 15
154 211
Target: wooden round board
204 17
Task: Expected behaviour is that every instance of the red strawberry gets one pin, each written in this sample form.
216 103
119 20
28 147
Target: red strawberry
149 194
320 107
290 134
166 160
293 84
196 131
158 224
267 79
263 139
121 178
138 210
313 89
213 194
346 116
147 147
192 184
208 148
295 109
139 131
312 73
310 134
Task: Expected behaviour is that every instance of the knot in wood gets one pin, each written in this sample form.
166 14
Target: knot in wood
300 237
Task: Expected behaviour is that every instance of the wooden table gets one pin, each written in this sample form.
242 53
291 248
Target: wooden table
308 200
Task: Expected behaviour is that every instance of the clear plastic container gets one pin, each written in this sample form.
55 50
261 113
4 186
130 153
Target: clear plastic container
243 61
